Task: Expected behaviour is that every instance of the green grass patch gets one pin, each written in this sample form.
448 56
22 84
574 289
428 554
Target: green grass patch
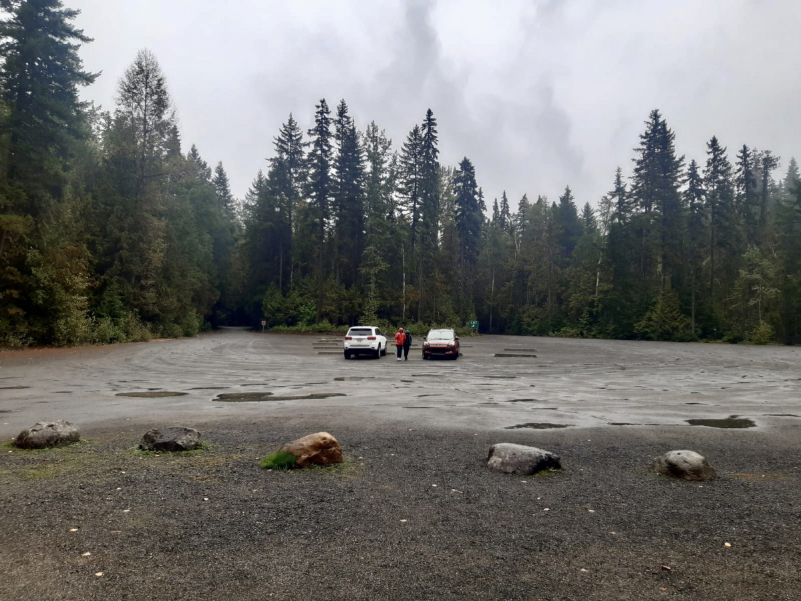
278 461
548 473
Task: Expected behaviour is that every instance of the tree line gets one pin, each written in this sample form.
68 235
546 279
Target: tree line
111 231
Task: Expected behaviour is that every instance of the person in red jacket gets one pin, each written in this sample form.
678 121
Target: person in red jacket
400 338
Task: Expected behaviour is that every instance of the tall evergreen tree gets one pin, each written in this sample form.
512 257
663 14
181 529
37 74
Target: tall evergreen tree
320 189
568 222
348 197
746 186
719 196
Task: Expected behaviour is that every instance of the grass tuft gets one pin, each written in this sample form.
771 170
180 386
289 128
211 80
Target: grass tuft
278 461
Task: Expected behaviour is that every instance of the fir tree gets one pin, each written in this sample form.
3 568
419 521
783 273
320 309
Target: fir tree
319 189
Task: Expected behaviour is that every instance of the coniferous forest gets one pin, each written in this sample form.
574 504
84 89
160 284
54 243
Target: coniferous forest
113 228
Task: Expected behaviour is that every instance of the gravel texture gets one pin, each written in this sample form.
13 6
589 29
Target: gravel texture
413 513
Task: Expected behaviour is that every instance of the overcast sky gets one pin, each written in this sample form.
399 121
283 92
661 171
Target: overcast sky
538 94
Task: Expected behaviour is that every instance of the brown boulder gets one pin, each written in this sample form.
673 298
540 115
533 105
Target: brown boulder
315 449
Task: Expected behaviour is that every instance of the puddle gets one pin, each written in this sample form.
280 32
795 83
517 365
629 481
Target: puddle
536 426
729 422
526 401
353 378
62 392
152 395
245 397
419 396
781 414
499 377
621 424
209 388
418 407
258 384
695 403
13 387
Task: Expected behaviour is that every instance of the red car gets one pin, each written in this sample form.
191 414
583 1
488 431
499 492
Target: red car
441 343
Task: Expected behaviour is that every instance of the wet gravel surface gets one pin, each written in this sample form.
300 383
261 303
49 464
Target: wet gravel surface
413 513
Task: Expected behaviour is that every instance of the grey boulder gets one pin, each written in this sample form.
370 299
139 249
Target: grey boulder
686 465
173 438
518 459
48 434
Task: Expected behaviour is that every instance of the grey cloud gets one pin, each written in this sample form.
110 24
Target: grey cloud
538 94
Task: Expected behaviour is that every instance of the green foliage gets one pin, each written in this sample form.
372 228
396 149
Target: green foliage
763 333
281 460
110 233
663 320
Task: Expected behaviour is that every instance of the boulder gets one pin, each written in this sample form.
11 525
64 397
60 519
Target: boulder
173 438
48 434
518 459
315 449
687 465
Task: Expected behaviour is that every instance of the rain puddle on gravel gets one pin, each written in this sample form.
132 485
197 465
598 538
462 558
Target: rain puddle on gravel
13 387
536 426
353 378
499 377
160 394
729 422
781 414
245 397
209 388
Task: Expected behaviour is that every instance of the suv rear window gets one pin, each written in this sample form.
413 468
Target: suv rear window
360 332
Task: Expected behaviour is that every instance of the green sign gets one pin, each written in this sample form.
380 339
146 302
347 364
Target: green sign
473 325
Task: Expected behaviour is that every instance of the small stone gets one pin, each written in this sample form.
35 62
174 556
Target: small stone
727 544
403 520
43 435
98 574
173 438
521 460
686 465
315 449
73 530
87 554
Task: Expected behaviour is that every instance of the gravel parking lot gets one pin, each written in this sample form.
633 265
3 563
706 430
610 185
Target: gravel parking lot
413 513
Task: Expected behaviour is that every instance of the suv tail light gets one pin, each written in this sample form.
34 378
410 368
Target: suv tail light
371 338
348 337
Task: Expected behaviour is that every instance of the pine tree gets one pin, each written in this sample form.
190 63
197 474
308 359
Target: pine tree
719 195
746 185
568 222
40 76
505 214
767 163
411 162
319 189
223 188
698 232
348 197
288 176
589 223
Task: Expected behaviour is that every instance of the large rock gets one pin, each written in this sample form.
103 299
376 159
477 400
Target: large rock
48 434
687 465
315 449
173 438
518 459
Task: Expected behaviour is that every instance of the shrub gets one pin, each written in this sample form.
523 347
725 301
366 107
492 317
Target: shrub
686 336
278 461
762 333
733 337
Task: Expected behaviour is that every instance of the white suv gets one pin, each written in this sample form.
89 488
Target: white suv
365 340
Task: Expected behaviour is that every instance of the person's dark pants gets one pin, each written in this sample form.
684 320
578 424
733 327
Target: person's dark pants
405 352
400 350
